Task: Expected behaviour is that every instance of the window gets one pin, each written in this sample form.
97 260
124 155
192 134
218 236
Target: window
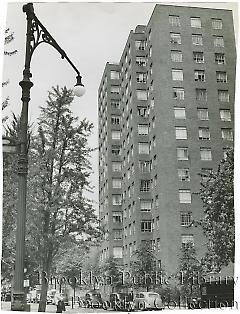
145 205
185 196
141 77
115 119
223 96
116 135
117 252
116 150
143 148
174 20
179 113
176 56
117 183
115 89
116 166
114 75
185 218
198 57
140 44
145 166
146 226
227 134
197 39
218 41
181 133
178 93
141 61
145 185
117 234
225 115
177 75
175 38
202 113
141 94
142 111
219 58
196 22
201 94
143 129
205 153
117 199
199 76
115 104
216 23
182 153
183 174
187 240
221 77
204 133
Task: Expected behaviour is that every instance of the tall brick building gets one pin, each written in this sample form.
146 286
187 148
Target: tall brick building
165 116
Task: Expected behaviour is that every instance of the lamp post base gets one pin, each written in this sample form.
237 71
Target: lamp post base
19 303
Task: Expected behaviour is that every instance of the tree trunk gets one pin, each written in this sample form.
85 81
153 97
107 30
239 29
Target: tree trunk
43 298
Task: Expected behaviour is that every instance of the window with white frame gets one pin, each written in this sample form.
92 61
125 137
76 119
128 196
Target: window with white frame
117 252
196 22
146 226
205 153
115 89
145 205
185 196
225 115
145 166
115 104
199 76
201 94
219 58
174 20
176 56
185 218
175 38
143 129
218 41
117 183
204 133
142 111
141 77
116 135
140 44
179 113
227 134
178 93
198 57
117 234
202 114
197 39
181 133
177 75
221 77
116 150
141 61
116 166
117 199
114 75
217 24
182 153
183 174
223 95
115 120
187 240
141 94
143 148
145 185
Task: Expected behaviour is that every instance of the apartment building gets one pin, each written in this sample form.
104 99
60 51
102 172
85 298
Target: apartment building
166 113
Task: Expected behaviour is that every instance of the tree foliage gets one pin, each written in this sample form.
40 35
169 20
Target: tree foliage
218 223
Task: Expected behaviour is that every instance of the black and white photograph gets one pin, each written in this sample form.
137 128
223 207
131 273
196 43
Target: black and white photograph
118 149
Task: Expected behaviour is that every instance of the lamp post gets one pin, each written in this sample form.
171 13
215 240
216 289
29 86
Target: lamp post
36 34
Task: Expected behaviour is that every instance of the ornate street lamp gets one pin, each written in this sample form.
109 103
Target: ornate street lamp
36 34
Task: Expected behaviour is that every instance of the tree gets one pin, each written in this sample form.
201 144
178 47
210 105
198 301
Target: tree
58 212
218 222
113 274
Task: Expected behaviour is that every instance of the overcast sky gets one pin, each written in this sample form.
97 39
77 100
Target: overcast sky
91 34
